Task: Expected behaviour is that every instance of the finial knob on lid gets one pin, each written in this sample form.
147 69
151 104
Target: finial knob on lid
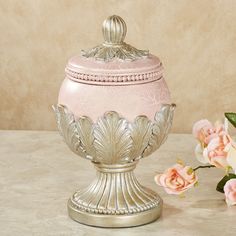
114 30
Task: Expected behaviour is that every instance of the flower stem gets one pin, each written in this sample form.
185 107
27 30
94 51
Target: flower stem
201 167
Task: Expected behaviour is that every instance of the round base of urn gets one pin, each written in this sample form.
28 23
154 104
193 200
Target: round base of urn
115 199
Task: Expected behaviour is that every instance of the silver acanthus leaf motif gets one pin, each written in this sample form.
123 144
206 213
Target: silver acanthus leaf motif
140 133
69 129
113 139
160 128
107 53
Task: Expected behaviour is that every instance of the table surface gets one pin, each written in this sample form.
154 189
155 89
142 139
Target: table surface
38 173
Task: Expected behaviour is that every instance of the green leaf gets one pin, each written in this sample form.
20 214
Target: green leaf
231 118
221 184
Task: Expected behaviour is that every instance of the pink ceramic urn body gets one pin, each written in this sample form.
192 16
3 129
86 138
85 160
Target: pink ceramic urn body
114 109
131 88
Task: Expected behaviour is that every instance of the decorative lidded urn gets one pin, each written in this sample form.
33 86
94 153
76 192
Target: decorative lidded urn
114 109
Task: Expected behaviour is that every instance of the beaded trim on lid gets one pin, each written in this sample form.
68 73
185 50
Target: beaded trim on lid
113 79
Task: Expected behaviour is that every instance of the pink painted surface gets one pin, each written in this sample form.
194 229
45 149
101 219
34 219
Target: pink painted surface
93 100
90 65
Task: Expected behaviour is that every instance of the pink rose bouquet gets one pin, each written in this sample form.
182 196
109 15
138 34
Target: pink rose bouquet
215 148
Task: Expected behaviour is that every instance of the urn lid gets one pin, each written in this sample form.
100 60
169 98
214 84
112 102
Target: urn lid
114 62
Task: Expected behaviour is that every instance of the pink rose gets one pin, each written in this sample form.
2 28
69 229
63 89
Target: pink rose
177 179
217 150
230 192
204 131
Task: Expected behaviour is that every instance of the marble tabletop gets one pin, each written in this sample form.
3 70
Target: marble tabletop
38 173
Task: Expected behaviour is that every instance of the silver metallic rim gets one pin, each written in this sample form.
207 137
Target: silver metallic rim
113 221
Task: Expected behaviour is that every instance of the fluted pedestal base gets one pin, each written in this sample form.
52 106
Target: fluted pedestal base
115 199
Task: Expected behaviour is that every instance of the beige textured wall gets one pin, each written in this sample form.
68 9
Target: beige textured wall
195 39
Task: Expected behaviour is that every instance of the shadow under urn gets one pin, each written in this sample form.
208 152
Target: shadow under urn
114 109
